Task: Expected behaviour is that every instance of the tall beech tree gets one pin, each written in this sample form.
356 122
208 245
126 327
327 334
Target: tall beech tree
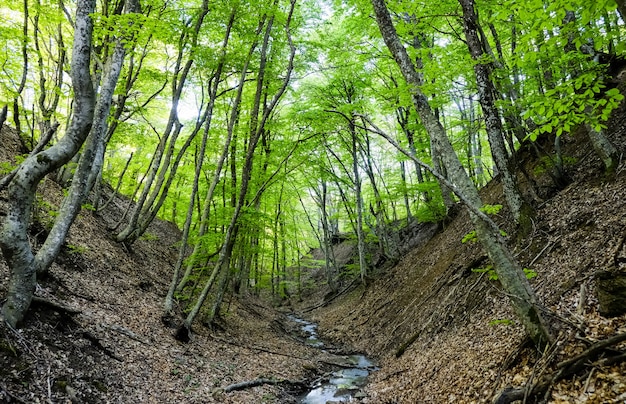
508 269
493 122
14 241
259 118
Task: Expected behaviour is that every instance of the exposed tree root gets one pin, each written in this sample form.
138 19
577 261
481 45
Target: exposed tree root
55 305
565 369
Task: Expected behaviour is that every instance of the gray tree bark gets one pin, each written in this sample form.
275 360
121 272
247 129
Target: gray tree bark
14 241
493 123
510 273
91 159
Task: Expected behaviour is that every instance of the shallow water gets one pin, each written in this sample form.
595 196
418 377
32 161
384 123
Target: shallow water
343 384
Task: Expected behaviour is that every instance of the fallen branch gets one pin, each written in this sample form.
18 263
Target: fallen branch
6 395
592 351
260 382
564 369
55 305
258 348
325 303
125 331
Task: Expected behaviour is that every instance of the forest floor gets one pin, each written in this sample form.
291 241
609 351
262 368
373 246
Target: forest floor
439 331
95 334
443 332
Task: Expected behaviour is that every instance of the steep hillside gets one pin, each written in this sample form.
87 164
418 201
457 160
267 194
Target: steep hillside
95 333
442 332
446 333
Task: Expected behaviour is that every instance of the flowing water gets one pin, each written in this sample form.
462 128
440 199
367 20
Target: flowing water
343 384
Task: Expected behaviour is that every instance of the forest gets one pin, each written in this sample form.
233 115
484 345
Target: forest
189 189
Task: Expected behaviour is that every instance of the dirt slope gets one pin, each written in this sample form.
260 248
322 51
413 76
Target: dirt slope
453 328
115 349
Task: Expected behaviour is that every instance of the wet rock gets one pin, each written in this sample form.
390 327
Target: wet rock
611 292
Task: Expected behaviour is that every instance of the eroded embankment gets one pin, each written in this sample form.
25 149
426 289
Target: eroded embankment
455 334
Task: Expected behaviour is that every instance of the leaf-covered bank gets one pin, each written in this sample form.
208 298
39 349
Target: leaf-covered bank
445 332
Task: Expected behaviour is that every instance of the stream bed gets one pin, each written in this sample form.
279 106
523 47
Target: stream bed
343 384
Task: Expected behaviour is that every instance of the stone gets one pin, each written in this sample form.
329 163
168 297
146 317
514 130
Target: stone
611 292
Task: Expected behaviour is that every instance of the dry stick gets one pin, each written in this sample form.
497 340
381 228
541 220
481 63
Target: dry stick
10 395
549 246
259 382
592 350
565 369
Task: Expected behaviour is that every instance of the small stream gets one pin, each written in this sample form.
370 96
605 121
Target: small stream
343 384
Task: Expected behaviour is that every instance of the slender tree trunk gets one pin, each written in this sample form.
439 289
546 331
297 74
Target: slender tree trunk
326 244
144 210
21 192
363 268
20 88
509 271
117 187
256 127
493 123
405 193
205 217
169 299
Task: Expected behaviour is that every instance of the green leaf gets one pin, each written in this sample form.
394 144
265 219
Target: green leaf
504 321
530 273
471 236
491 209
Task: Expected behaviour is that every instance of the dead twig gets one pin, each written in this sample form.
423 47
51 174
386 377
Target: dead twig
564 369
125 331
8 396
548 246
260 382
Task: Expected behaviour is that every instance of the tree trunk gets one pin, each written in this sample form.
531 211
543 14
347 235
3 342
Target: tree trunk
604 148
509 271
256 128
144 212
200 160
90 163
363 268
21 192
493 123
